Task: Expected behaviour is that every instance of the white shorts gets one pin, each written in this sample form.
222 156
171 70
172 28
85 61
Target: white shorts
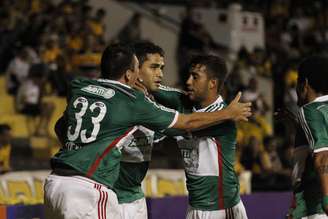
134 210
236 212
316 216
77 197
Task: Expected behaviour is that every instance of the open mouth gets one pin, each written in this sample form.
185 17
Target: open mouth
157 83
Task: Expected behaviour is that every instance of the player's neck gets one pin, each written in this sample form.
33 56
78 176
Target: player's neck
208 101
123 81
312 95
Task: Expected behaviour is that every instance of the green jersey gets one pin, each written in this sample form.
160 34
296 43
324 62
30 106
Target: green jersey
209 160
101 116
314 122
136 155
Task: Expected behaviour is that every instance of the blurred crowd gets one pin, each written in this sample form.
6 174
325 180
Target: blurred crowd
43 46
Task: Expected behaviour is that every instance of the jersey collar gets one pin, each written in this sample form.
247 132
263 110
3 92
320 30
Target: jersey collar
323 98
114 82
212 107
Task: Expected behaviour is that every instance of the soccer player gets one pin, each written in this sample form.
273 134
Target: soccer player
136 153
100 117
209 160
312 92
306 185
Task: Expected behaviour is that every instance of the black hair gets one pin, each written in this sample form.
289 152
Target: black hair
116 60
215 67
315 70
144 48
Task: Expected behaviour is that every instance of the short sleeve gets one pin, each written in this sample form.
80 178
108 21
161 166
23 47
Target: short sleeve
152 115
173 98
315 128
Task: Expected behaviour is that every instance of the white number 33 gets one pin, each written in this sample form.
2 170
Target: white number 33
83 103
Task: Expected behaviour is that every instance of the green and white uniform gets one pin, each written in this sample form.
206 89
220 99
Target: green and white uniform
101 116
314 122
136 155
209 165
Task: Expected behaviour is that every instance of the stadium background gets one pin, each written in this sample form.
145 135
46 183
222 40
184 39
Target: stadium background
262 41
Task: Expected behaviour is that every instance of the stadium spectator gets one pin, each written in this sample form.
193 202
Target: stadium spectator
17 71
29 101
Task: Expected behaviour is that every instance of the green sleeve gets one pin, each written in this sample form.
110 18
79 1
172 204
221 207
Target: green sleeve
173 98
152 115
316 126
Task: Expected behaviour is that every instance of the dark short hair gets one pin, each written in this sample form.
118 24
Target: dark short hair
4 128
144 48
315 70
116 60
215 67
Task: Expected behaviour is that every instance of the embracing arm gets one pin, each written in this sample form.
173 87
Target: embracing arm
235 111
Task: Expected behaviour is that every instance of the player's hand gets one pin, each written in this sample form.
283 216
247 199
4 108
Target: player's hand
139 86
239 111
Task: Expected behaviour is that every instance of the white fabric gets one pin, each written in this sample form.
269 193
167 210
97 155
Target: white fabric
31 92
19 68
139 146
238 212
134 210
76 197
316 216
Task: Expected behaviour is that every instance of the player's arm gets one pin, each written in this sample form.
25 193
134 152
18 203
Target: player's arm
234 111
172 98
159 118
178 100
321 166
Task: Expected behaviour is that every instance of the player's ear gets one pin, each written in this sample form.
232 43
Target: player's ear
128 75
213 83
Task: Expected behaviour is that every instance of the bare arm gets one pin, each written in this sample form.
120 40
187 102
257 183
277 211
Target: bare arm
321 166
235 111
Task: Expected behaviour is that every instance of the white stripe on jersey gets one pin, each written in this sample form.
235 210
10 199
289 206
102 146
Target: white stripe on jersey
320 150
128 137
166 88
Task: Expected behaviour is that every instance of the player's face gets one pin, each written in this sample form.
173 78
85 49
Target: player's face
151 71
198 83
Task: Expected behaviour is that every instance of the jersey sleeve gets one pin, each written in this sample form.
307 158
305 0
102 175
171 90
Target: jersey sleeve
314 124
172 98
152 115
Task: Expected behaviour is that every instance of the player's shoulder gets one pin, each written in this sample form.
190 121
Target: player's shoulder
315 108
319 103
103 89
